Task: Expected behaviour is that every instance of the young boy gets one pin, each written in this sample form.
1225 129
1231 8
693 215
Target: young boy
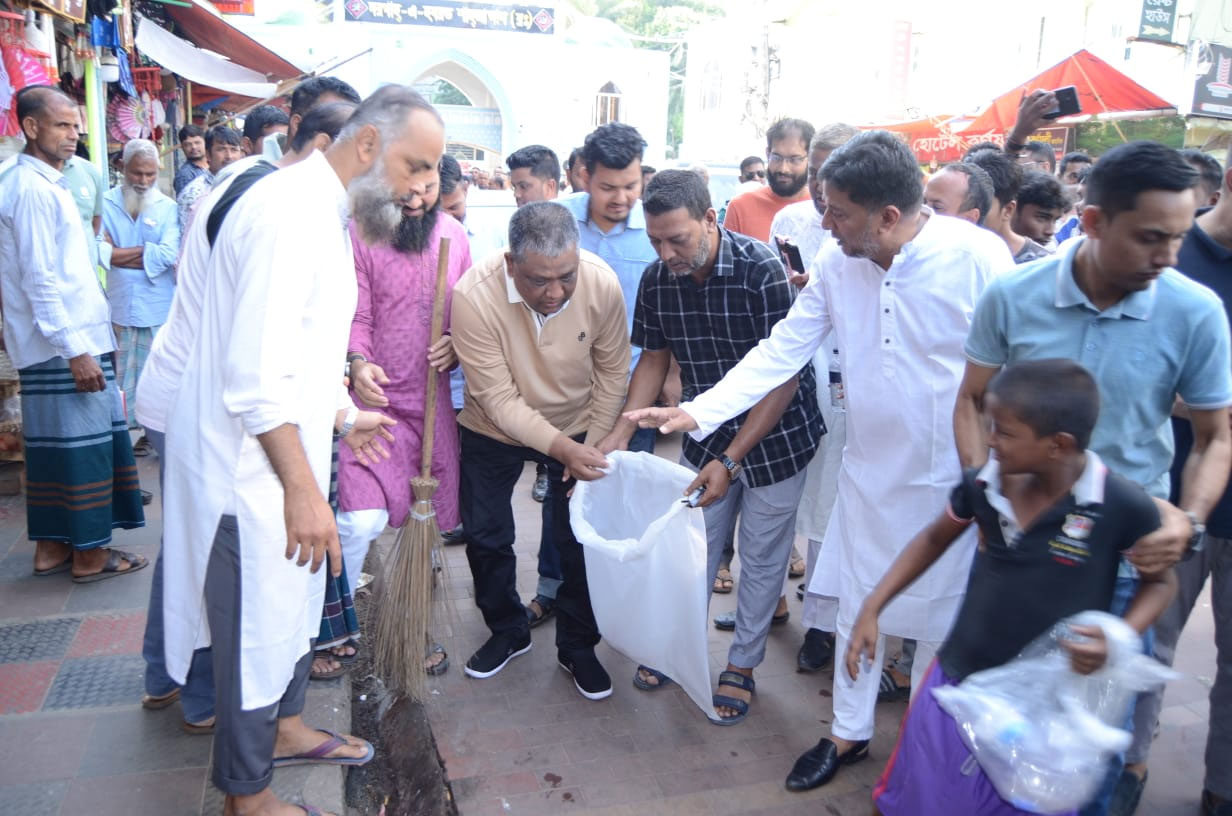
1054 523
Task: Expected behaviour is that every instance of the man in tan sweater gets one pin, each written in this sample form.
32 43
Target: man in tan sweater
541 333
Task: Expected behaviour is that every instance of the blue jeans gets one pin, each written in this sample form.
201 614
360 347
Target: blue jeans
197 694
1126 588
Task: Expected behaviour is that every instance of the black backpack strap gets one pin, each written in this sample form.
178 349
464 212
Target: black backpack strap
232 194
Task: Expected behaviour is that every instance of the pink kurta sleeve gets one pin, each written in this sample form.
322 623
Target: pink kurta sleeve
361 324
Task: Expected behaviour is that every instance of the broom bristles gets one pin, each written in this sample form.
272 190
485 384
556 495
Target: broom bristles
404 599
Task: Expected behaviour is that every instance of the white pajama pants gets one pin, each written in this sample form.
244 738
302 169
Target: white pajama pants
357 529
856 700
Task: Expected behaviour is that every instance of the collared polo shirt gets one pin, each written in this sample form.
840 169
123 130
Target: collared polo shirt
625 247
1025 580
710 327
1208 262
1170 338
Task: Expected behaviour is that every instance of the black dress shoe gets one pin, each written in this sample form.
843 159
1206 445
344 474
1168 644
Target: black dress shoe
817 651
819 764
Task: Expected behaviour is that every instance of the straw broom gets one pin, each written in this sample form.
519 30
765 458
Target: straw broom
405 600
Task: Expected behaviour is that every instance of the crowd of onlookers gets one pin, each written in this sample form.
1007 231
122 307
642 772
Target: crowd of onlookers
844 341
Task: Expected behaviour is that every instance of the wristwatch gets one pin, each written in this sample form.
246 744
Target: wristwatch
1198 538
351 358
733 467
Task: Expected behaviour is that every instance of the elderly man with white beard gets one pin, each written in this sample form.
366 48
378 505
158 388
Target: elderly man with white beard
142 241
247 525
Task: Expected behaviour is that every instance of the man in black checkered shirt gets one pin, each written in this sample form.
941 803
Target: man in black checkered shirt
710 298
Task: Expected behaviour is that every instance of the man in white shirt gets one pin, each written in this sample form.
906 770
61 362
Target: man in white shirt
248 433
800 224
82 477
897 286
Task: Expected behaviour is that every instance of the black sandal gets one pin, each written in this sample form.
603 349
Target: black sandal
547 607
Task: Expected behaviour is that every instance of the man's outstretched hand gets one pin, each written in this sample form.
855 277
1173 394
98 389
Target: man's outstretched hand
667 420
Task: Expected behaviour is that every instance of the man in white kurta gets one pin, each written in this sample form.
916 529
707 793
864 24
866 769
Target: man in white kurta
248 451
897 287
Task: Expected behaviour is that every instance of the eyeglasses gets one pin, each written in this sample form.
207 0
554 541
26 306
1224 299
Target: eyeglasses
794 161
752 174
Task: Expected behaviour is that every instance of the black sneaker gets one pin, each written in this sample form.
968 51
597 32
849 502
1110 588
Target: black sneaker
539 491
495 655
589 676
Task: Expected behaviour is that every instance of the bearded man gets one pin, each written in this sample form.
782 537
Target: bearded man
247 524
787 153
142 241
389 370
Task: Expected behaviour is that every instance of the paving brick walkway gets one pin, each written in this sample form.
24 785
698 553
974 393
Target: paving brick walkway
525 742
76 741
73 735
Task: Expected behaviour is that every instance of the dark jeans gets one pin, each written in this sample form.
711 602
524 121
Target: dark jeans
490 470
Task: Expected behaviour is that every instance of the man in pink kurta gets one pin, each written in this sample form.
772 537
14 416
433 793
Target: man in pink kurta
389 358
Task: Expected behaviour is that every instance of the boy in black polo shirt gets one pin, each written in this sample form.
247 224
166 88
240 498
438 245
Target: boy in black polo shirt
1054 523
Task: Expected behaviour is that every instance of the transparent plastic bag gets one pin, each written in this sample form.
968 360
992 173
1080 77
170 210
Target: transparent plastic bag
646 567
1042 733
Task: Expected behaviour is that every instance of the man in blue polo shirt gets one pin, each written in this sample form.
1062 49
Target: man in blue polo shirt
1206 257
1113 302
611 221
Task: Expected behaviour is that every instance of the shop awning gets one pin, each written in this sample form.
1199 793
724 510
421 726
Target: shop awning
200 66
1101 89
201 24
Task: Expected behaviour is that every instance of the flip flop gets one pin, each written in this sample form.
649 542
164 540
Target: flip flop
639 683
796 572
111 567
66 564
154 702
726 621
329 674
437 668
734 680
723 584
317 756
198 729
889 691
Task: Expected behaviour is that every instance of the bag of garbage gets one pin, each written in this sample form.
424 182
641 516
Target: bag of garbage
1043 733
646 566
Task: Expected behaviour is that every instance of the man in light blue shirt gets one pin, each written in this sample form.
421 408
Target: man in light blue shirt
611 221
142 233
1113 302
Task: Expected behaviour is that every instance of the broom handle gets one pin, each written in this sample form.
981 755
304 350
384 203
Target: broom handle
438 322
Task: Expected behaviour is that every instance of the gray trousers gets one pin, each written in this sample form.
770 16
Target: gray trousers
1215 560
767 518
243 740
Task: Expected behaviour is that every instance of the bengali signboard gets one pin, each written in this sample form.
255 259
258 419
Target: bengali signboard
946 145
1158 20
454 14
1213 90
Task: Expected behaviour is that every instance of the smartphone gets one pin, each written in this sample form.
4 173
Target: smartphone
791 254
1067 103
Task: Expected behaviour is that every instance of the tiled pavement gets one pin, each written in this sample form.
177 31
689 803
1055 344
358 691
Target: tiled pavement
75 740
73 736
525 742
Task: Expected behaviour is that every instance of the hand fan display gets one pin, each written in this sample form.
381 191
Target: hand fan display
127 118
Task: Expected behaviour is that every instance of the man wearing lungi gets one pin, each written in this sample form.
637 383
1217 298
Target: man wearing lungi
82 478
